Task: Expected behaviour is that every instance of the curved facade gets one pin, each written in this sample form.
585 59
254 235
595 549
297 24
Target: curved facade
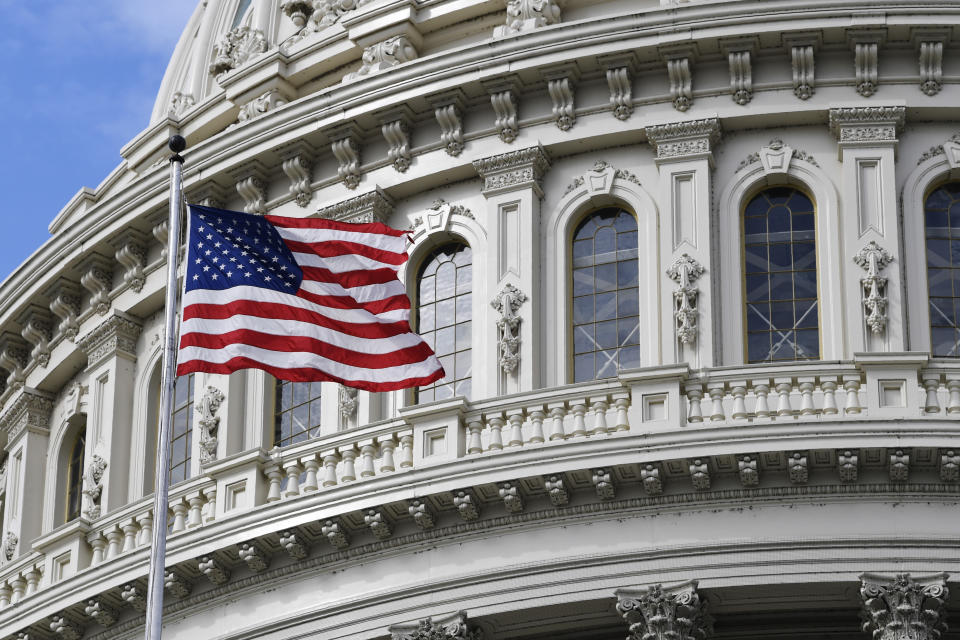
693 269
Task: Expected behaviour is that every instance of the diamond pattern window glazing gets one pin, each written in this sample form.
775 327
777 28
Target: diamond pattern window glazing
942 222
780 274
606 296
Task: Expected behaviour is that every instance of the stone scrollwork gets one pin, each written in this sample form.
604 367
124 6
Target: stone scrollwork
931 67
507 304
685 271
383 55
117 334
904 608
207 408
97 278
396 132
450 627
254 193
38 331
347 402
873 287
438 216
261 104
741 76
526 15
679 60
561 86
14 358
513 170
310 16
866 46
684 139
93 487
65 304
802 49
665 613
180 103
10 542
505 107
235 48
867 125
448 110
131 253
621 92
345 149
297 168
373 206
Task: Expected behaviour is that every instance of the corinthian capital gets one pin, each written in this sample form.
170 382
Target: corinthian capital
665 613
904 608
453 626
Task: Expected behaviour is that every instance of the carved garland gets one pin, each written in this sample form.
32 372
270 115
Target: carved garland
685 271
507 303
873 287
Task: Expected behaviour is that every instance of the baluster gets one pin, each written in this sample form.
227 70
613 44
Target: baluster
275 479
210 508
806 396
32 577
761 389
852 386
599 407
623 422
114 541
195 514
311 465
330 468
496 427
579 410
953 406
367 453
932 385
179 509
130 531
5 593
716 406
406 451
829 388
536 423
98 543
292 469
145 522
694 396
516 429
557 413
387 445
349 473
784 386
738 390
474 428
18 584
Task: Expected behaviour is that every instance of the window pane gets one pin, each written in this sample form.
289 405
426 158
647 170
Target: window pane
449 312
780 277
605 295
297 412
942 223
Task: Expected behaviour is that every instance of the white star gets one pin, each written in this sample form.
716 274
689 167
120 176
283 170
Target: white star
229 229
202 217
219 219
266 279
214 276
244 253
209 236
229 274
266 249
248 274
276 259
196 276
206 267
199 260
288 284
199 245
216 244
207 252
259 269
283 268
225 251
233 258
200 229
222 265
215 259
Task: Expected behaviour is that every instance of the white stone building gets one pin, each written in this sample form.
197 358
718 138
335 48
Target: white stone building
693 269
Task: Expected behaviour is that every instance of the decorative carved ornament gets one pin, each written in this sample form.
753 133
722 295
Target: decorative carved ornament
873 287
561 90
65 304
209 422
298 167
30 409
235 48
685 271
373 206
116 335
526 15
776 157
950 149
261 105
621 91
180 103
689 138
513 170
347 402
679 60
904 608
438 217
345 148
38 331
866 50
10 542
396 131
600 167
665 613
383 55
449 627
131 253
507 304
866 125
93 487
252 187
311 16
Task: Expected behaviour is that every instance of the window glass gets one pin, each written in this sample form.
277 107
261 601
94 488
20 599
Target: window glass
241 12
942 223
181 429
606 299
75 476
780 277
445 318
296 413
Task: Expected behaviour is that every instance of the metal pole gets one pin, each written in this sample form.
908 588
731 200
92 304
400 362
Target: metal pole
154 626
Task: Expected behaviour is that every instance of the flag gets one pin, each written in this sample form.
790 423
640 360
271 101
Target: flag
304 299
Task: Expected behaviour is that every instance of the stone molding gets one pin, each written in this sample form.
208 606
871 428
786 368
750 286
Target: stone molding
373 206
901 607
866 126
512 171
665 613
30 410
684 140
116 336
452 626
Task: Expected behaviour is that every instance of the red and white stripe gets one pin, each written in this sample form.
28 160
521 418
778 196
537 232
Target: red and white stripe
348 323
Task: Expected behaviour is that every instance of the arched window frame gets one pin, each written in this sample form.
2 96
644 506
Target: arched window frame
73 487
926 263
557 230
730 304
929 174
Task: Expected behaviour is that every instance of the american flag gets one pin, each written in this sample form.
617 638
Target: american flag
304 299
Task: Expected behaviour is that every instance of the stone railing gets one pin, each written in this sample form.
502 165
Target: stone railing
653 401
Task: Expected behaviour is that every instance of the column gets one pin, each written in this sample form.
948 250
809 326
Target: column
111 372
870 253
684 156
896 607
664 612
511 185
27 425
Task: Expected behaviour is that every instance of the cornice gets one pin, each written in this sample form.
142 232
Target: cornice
514 170
29 411
115 336
373 206
684 140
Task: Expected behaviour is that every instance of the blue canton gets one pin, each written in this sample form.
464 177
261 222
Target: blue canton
229 249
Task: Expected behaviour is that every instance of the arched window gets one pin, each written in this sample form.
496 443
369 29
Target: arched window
296 412
606 297
444 317
74 495
181 436
780 272
241 13
942 224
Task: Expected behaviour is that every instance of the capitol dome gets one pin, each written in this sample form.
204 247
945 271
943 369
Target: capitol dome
692 269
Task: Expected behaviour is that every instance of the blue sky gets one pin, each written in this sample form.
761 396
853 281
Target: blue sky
78 79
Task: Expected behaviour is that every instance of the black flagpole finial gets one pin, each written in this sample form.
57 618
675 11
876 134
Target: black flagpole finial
177 144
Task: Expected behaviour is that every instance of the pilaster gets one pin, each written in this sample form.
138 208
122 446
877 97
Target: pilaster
511 183
675 611
684 157
867 146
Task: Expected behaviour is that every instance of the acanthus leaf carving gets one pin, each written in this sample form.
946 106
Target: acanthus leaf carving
347 402
115 335
97 278
343 144
65 304
65 628
10 542
685 271
131 253
868 126
449 627
513 170
685 138
214 569
101 612
209 422
526 15
664 613
30 409
902 607
37 329
14 356
336 533
298 169
180 103
260 105
312 16
235 48
397 134
873 287
383 55
507 303
373 206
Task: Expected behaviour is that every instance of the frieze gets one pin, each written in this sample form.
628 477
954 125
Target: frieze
115 336
689 138
867 124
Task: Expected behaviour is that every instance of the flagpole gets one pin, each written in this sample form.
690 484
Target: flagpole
158 550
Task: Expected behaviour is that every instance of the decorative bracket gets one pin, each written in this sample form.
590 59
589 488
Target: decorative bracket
448 109
131 253
802 47
678 59
395 126
873 287
345 148
449 627
507 303
526 15
685 271
13 358
930 43
739 57
65 304
866 46
561 81
298 167
97 278
251 184
619 72
37 330
503 99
